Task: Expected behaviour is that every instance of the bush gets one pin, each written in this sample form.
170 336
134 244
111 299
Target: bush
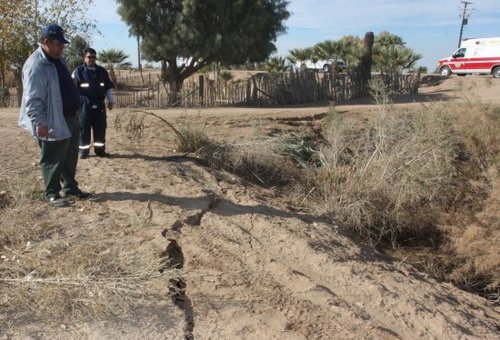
425 179
384 178
258 161
193 139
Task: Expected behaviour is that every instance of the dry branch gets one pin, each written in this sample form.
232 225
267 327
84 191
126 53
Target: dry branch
149 113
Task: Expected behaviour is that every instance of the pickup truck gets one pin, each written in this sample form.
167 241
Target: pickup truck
324 65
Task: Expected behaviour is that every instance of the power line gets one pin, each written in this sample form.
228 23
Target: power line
465 20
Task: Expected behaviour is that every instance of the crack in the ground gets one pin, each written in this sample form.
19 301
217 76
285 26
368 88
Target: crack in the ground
177 287
174 256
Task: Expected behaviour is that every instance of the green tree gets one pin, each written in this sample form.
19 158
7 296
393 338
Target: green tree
327 49
14 34
276 65
114 59
299 56
22 22
74 53
350 49
390 55
196 33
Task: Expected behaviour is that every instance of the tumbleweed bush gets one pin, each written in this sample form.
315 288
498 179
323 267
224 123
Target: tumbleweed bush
383 177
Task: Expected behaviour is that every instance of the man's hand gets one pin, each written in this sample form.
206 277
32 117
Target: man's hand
42 131
110 106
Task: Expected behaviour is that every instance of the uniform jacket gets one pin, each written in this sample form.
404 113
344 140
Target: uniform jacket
41 104
93 83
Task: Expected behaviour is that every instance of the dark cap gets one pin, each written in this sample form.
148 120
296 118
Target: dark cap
54 31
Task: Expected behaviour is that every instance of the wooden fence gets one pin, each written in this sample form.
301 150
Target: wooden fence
261 89
8 98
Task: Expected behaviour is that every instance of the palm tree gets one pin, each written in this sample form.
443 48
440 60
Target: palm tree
276 65
350 49
395 58
299 56
332 52
114 59
390 55
388 39
328 49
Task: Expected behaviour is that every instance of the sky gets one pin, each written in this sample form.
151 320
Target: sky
429 27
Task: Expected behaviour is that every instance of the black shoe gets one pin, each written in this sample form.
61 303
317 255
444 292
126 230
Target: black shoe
58 201
102 154
79 194
84 155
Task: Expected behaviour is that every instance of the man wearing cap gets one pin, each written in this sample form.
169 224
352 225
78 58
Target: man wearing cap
94 85
49 111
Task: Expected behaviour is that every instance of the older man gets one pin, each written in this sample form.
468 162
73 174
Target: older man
49 111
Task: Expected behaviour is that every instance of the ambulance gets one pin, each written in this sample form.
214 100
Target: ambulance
475 56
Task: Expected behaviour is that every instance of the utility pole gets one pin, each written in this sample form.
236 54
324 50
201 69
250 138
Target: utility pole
465 20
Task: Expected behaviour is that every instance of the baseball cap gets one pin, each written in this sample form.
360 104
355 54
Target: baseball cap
54 31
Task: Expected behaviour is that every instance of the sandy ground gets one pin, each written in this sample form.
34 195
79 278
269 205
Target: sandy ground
254 267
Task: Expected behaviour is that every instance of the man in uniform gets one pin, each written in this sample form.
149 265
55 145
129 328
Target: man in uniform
94 85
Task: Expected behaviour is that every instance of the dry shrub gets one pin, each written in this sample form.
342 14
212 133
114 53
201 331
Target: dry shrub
424 178
193 139
479 124
474 260
257 161
188 139
472 248
386 177
133 123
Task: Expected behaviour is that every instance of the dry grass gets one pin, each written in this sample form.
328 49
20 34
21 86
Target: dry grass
263 161
193 139
133 123
471 251
68 279
20 188
257 161
187 139
48 275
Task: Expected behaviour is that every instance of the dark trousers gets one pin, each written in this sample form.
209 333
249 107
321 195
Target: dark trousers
92 120
58 160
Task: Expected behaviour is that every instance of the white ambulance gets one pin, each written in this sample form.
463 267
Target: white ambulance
475 56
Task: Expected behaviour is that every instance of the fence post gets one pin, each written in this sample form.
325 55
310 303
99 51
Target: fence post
201 81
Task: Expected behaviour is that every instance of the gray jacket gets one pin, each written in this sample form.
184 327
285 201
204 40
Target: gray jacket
41 104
